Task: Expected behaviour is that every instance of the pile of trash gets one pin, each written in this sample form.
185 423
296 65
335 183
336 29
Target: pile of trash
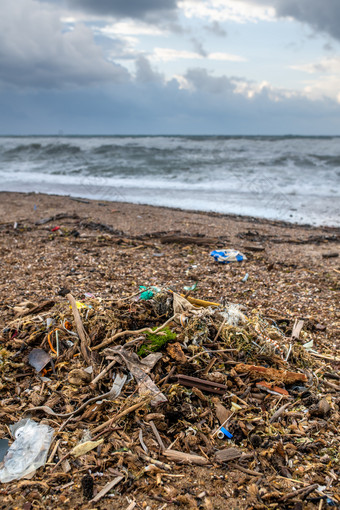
130 391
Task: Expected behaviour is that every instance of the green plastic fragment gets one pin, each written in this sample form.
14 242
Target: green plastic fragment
148 293
193 287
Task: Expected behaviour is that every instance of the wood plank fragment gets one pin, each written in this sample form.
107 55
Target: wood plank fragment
271 374
107 488
227 454
185 458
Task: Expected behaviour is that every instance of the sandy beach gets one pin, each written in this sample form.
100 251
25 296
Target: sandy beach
111 248
49 243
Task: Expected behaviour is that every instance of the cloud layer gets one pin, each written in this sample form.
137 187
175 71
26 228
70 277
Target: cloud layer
140 9
321 15
35 52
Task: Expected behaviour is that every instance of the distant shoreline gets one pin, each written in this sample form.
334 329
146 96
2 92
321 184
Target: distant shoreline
239 136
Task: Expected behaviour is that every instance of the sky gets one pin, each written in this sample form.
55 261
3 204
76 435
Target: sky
219 67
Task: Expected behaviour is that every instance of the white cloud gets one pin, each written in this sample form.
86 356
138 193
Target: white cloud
198 79
324 65
233 10
226 56
168 54
327 81
130 27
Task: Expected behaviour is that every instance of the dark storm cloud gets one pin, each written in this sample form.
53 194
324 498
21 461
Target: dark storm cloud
203 81
124 8
145 73
322 15
35 52
157 108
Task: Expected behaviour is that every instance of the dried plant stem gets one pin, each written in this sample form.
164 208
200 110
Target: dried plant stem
109 341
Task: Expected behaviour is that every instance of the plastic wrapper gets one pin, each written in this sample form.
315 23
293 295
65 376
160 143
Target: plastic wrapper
28 452
227 256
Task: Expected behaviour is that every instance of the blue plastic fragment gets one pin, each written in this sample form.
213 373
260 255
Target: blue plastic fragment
227 256
226 432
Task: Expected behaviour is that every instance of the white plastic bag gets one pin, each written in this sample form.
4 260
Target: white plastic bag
28 452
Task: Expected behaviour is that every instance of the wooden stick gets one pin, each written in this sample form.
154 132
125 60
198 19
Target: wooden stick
245 470
303 491
109 341
102 373
271 373
219 330
107 488
120 415
84 338
158 437
185 458
280 411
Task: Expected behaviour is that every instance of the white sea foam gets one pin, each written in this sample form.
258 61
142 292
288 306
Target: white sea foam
294 179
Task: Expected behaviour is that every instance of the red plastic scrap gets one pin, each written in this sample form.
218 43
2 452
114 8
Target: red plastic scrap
270 388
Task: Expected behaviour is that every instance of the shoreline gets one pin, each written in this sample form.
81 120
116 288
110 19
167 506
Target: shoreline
234 217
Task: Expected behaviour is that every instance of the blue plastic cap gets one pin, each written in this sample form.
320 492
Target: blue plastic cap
226 432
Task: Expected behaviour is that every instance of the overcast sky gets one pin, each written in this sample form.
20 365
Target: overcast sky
170 67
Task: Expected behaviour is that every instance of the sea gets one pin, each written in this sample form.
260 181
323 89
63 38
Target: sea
290 178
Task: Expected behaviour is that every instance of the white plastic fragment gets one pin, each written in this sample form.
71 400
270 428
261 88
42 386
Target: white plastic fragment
28 452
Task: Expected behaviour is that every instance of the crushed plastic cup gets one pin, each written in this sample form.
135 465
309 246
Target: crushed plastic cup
227 256
28 452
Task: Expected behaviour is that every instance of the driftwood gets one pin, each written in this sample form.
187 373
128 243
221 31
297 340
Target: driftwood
84 338
201 384
185 458
46 305
107 488
271 374
228 454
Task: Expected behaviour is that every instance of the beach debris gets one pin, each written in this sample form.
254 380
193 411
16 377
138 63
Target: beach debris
140 370
227 256
28 452
271 374
148 292
185 458
120 358
223 432
3 448
87 486
228 454
270 388
190 287
109 486
201 384
38 359
83 448
79 377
